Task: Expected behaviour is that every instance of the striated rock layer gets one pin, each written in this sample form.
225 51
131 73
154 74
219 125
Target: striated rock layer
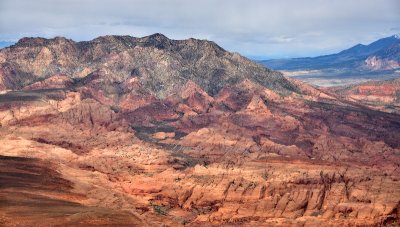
123 131
379 95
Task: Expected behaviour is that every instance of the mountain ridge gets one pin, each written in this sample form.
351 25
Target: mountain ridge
351 57
118 57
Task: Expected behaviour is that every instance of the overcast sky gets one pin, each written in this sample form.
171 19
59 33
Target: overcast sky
263 28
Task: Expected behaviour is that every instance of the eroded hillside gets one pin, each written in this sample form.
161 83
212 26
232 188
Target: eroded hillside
151 131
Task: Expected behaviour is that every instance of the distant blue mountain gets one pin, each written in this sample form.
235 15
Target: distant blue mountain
6 44
383 54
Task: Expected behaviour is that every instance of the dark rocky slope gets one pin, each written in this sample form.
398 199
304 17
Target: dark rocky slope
161 64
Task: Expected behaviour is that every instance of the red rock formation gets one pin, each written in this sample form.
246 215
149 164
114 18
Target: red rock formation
110 150
380 95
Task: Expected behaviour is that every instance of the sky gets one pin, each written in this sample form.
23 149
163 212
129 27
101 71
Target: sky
259 29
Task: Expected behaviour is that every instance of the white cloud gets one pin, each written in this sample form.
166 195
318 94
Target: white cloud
251 27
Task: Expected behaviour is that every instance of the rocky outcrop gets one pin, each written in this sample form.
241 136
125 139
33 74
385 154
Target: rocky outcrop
375 63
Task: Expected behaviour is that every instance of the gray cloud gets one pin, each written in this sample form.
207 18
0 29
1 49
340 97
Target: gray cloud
251 27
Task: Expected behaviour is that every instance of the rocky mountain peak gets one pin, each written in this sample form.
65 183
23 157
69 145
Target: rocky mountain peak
157 40
29 41
157 37
159 63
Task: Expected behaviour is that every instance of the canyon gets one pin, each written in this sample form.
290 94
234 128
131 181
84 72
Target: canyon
125 131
